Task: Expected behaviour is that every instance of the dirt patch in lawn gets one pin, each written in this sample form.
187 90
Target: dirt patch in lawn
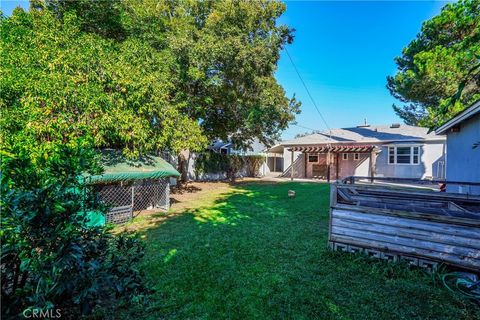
183 198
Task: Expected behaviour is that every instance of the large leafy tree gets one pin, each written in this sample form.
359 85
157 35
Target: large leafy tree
134 75
161 74
101 17
442 61
61 95
59 82
228 51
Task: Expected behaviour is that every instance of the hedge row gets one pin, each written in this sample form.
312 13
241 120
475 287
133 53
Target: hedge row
230 165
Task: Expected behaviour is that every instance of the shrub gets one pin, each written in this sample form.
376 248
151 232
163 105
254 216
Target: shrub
235 164
230 165
210 162
50 259
253 164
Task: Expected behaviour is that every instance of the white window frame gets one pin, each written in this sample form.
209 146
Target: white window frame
411 163
356 156
344 156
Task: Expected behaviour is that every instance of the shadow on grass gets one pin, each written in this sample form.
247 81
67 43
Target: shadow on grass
255 253
185 188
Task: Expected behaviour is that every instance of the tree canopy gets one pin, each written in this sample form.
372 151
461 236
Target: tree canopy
442 61
134 75
143 75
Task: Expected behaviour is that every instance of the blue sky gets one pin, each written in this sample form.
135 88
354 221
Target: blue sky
343 51
7 6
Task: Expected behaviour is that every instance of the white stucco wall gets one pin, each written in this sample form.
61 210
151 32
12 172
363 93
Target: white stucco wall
352 167
431 165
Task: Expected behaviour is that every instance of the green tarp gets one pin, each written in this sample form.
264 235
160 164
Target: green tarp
95 218
118 168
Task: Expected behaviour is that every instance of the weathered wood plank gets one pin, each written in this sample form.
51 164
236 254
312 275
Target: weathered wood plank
466 262
427 195
425 235
422 224
386 220
411 215
407 242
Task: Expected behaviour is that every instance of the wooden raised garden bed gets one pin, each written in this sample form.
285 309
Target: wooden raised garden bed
423 227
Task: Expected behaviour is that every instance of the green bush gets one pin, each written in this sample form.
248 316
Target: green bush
235 164
253 164
230 165
50 260
210 162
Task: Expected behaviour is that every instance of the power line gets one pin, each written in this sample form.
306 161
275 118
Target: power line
297 125
306 89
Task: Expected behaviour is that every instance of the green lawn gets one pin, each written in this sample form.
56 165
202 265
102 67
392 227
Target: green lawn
250 252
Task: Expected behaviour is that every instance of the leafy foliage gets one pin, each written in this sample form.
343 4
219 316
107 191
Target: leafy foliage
438 72
307 133
146 75
253 164
235 164
59 82
100 17
50 260
230 165
133 75
210 162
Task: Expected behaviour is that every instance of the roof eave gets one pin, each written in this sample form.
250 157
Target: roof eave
420 139
464 115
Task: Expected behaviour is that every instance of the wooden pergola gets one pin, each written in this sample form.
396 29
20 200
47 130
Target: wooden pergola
334 149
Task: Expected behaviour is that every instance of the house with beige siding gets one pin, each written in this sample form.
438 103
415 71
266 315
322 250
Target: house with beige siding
397 150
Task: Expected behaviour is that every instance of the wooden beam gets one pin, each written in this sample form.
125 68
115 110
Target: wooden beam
291 167
411 215
305 165
328 166
274 162
372 166
336 164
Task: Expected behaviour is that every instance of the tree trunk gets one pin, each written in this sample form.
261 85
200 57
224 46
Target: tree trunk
182 168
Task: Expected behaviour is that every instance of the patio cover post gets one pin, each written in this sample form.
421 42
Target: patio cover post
328 165
305 157
291 167
373 159
336 165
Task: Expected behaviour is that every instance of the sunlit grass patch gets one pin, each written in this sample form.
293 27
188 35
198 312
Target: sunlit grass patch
250 251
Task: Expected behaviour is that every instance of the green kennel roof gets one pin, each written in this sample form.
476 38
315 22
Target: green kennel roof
118 168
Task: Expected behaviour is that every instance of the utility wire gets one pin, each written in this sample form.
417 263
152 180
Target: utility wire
297 125
306 89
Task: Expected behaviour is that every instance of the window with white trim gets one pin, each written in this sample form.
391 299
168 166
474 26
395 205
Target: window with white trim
356 156
403 154
416 155
344 156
